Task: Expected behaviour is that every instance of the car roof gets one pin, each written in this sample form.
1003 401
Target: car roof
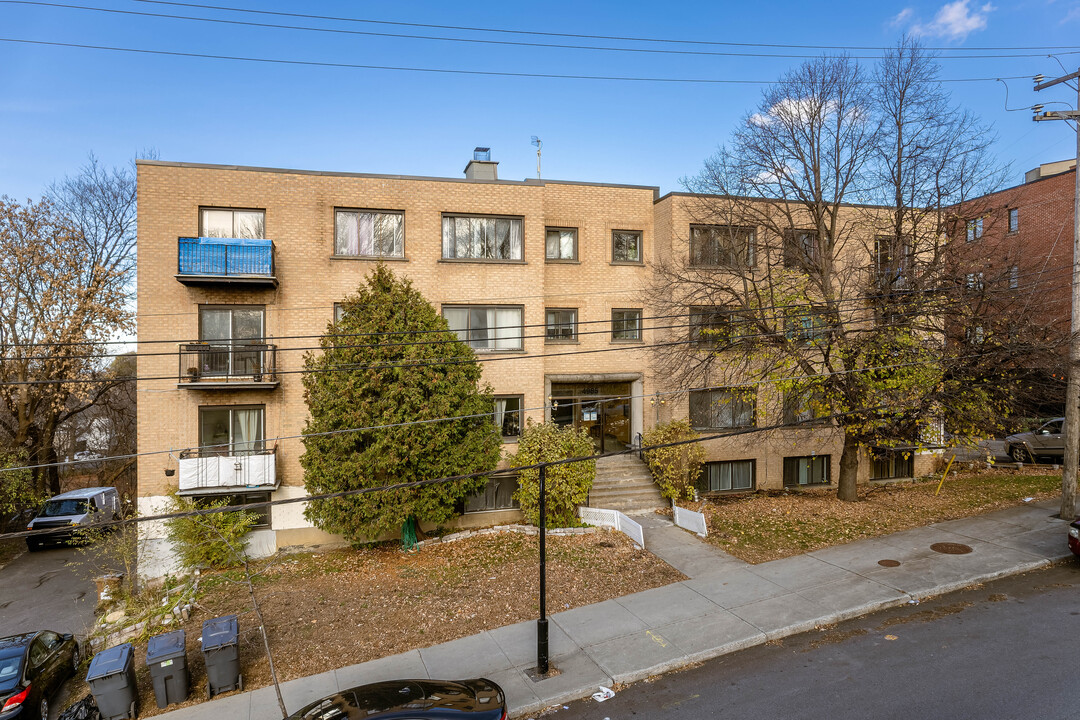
16 642
82 493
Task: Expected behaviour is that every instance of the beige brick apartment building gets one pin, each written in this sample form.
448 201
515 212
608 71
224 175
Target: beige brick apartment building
240 269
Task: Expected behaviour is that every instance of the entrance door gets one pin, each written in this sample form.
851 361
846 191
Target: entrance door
603 410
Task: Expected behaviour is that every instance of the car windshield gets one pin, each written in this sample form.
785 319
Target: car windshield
9 671
60 508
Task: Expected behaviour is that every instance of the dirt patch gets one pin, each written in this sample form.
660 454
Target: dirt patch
834 637
926 615
11 549
335 609
771 525
998 597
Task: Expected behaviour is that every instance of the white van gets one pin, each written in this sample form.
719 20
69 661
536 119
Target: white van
71 511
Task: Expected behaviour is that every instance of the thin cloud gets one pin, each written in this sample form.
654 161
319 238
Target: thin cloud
901 17
954 21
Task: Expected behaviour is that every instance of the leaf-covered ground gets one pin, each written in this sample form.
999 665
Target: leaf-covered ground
767 526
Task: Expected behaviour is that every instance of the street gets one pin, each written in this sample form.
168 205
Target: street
46 590
1003 650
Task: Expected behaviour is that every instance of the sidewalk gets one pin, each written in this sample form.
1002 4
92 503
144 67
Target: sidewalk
726 605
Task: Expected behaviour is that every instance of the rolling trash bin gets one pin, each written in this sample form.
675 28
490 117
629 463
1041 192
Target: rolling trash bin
221 651
112 682
166 657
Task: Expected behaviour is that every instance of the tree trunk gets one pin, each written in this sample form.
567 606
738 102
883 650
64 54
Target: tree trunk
847 487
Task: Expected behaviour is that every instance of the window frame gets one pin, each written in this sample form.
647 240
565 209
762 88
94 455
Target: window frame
640 333
468 341
548 326
217 208
973 229
548 258
703 480
806 327
799 255
889 268
750 397
826 459
640 247
715 233
231 451
1012 224
880 455
520 415
338 211
264 514
800 402
514 504
479 216
729 332
1014 277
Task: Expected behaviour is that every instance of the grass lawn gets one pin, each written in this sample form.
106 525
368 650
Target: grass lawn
767 526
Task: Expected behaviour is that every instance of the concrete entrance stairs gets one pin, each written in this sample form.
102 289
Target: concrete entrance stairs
623 482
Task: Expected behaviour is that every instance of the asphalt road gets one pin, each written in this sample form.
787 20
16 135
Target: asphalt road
1007 649
47 589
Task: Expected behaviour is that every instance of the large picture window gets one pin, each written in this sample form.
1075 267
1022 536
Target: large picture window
231 430
723 408
721 246
238 224
467 237
729 476
808 470
366 233
486 328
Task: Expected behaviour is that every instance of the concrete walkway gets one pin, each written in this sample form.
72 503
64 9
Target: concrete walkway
725 606
682 550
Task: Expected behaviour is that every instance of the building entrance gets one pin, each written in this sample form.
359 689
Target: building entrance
603 409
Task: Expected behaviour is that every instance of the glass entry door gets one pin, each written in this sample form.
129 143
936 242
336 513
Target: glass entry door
602 409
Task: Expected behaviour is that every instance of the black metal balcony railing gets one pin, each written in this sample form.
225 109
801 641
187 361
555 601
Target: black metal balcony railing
228 362
217 260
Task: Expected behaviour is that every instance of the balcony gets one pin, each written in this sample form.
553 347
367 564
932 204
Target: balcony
204 471
226 261
228 366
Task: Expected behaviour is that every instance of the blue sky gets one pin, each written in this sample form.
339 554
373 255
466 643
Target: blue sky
59 103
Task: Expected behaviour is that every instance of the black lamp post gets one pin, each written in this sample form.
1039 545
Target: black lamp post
542 623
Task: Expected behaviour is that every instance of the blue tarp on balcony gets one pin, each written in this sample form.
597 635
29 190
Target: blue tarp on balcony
228 257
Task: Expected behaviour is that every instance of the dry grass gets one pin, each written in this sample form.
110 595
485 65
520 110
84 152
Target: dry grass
767 526
330 610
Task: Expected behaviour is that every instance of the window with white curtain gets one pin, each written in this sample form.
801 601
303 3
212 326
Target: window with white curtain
560 244
723 408
238 224
467 237
369 233
507 416
486 328
231 430
727 476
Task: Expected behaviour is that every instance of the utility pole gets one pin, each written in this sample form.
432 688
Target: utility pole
1072 391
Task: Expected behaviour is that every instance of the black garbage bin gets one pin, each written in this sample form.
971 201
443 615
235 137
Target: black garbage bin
112 682
166 657
222 654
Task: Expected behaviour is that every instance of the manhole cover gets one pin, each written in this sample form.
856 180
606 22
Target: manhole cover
951 548
889 563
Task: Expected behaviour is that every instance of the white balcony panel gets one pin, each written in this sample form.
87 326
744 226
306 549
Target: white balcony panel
228 472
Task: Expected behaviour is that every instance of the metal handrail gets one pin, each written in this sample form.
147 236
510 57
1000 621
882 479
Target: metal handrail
225 361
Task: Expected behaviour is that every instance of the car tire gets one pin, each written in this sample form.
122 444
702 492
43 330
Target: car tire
43 709
1019 454
33 545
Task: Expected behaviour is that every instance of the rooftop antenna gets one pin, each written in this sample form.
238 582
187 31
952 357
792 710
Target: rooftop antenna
539 144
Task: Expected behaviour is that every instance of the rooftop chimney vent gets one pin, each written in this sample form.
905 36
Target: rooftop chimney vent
481 167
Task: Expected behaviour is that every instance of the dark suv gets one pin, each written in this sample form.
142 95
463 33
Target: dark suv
1048 440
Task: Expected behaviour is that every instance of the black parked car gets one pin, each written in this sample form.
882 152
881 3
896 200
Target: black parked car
478 699
32 668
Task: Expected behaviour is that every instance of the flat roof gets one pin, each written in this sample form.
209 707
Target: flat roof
655 189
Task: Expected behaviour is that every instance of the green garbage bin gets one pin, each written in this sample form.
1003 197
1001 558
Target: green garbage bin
112 682
221 650
166 656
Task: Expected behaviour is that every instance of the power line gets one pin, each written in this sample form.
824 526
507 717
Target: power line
580 35
440 71
480 41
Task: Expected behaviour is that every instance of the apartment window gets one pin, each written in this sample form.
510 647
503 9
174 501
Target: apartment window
800 248
239 224
808 470
626 246
339 311
560 324
366 233
886 464
1014 219
729 476
560 244
262 514
498 494
975 335
974 229
721 246
974 281
486 328
717 326
626 324
1014 277
507 416
805 327
467 237
803 406
231 430
225 331
892 261
723 408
